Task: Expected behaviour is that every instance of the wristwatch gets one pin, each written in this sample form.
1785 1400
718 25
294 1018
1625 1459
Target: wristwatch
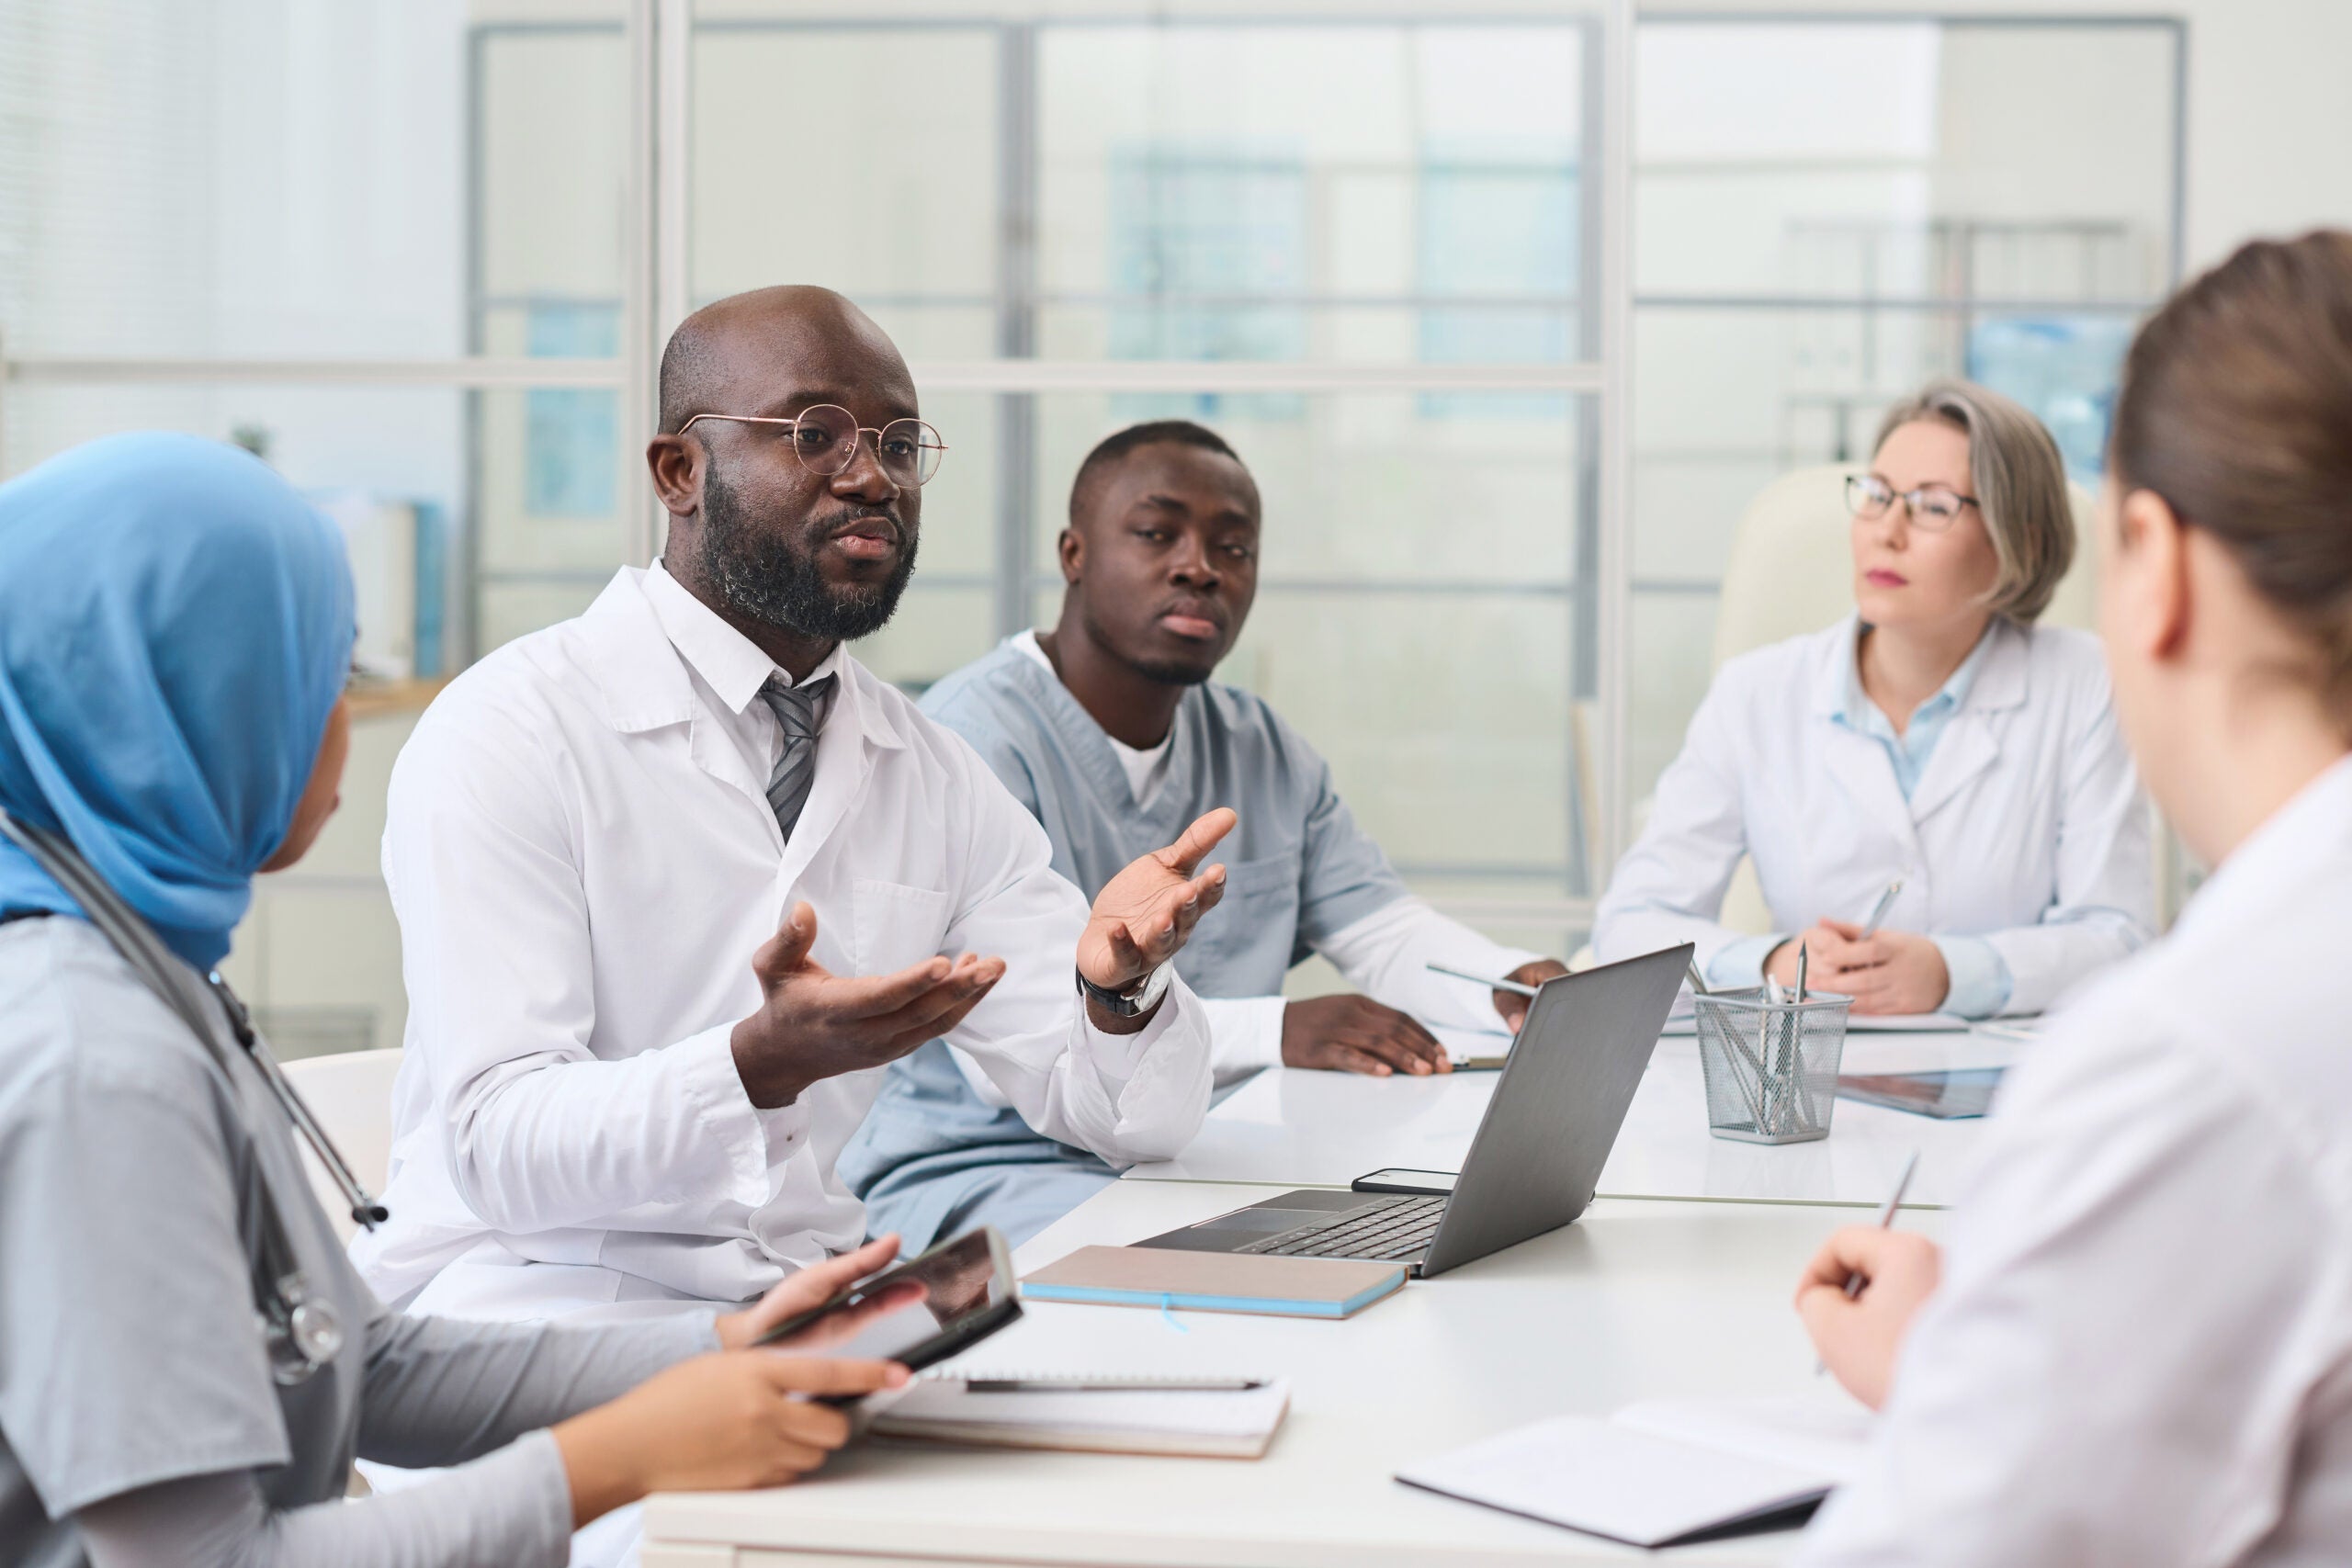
1130 1004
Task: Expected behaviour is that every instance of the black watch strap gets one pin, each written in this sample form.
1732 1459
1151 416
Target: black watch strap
1120 1004
1111 1002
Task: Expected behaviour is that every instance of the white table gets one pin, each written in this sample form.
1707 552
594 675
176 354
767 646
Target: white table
1635 1301
1294 1128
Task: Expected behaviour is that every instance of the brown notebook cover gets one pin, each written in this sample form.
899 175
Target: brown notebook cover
1214 1281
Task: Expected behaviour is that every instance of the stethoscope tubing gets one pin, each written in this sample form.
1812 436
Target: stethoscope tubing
302 1332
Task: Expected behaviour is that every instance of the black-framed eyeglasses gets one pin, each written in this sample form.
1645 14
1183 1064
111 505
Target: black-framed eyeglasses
1932 507
825 439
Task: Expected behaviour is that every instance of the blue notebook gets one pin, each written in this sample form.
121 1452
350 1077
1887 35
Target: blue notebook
1214 1281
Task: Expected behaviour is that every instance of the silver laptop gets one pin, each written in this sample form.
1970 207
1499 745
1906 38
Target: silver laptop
1537 1157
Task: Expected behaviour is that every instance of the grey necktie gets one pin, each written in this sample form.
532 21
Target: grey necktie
800 714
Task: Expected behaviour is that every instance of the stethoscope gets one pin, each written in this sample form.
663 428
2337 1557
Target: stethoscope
301 1331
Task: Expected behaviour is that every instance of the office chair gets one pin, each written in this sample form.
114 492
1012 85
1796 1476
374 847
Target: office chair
351 1094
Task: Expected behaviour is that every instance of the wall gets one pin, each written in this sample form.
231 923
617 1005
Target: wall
2270 135
274 217
2070 123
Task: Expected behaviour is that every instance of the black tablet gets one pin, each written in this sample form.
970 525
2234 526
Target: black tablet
917 1312
1949 1096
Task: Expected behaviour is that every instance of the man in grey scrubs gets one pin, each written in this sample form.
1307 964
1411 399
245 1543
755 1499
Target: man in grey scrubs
1109 729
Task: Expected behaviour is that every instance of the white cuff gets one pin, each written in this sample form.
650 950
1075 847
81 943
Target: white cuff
1245 1035
739 1130
1980 980
1115 1055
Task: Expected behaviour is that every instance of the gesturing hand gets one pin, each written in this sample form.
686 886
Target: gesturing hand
813 1024
1143 915
1858 1339
1356 1035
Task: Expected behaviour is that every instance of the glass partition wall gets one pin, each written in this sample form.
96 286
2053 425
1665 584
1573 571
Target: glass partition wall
1363 243
1828 212
422 254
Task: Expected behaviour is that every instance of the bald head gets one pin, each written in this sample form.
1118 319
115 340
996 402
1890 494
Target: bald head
794 558
737 355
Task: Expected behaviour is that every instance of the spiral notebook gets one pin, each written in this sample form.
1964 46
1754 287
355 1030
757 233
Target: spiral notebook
1214 1281
1212 1424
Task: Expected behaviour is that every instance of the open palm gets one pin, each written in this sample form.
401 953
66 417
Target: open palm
1143 915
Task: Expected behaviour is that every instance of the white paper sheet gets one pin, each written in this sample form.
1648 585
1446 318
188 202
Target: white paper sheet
1830 1434
1657 1472
1251 1414
1465 1044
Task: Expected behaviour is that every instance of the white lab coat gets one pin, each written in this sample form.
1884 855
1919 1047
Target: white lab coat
2141 1356
2027 827
582 866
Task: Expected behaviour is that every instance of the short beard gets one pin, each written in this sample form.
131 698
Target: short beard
1159 672
773 577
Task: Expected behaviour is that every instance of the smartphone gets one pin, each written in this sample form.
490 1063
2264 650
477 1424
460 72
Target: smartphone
917 1312
1395 1179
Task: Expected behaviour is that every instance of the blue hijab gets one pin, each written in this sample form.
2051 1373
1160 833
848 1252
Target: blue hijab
175 626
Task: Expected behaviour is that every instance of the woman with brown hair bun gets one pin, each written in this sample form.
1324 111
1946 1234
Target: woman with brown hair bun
2140 1350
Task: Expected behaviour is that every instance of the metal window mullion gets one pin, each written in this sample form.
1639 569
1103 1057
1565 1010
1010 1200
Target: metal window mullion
461 577
1584 673
1250 376
656 49
1614 518
484 371
672 171
636 366
1016 307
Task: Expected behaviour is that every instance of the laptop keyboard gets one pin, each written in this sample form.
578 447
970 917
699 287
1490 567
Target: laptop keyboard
1399 1229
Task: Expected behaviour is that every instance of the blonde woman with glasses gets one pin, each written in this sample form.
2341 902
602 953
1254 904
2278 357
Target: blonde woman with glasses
1938 743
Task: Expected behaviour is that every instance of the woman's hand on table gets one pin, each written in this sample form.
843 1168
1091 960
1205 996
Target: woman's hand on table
1885 972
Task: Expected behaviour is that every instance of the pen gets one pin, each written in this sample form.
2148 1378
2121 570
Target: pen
1878 910
1132 1386
1511 986
1854 1281
1802 959
1886 1215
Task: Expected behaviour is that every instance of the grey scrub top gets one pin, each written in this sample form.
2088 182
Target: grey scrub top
932 1155
130 1170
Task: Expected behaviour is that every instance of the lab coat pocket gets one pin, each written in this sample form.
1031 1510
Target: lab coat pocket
893 925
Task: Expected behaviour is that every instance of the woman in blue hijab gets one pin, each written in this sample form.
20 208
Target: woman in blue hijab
176 625
175 630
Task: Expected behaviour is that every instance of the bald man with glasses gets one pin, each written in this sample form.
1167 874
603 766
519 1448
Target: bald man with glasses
679 878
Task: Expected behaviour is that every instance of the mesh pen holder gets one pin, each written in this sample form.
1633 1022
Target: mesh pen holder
1772 1070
